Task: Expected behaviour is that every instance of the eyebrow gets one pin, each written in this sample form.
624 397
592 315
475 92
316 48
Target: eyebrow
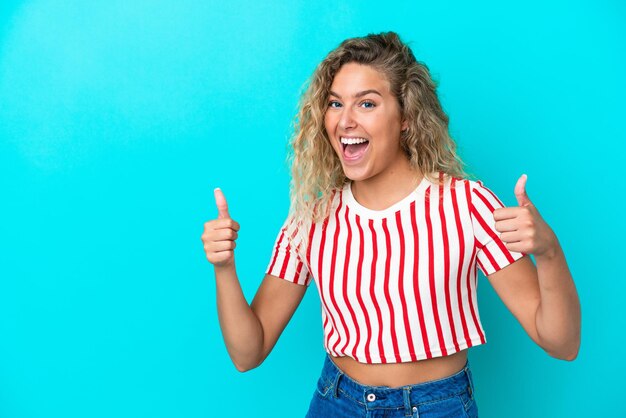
359 94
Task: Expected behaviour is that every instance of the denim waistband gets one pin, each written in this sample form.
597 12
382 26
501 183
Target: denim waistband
375 397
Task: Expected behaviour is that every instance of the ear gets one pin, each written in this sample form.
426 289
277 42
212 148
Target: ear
405 125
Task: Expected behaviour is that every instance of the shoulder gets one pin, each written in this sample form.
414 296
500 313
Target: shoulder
472 191
317 212
482 197
447 182
330 201
472 185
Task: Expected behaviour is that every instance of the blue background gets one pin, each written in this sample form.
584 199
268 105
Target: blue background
118 118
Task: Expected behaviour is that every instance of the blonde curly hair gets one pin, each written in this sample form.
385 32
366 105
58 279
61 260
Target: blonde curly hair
316 168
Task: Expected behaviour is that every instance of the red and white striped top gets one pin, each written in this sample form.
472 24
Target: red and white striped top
399 284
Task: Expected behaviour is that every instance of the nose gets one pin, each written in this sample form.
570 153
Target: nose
347 121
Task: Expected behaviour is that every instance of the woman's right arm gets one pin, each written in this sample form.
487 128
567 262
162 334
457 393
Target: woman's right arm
250 331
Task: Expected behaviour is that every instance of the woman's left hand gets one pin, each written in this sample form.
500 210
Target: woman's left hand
522 228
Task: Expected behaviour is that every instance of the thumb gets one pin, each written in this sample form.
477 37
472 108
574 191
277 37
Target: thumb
520 191
222 206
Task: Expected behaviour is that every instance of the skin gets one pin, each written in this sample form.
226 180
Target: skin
374 116
543 298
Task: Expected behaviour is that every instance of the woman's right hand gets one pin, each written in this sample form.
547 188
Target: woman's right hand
220 234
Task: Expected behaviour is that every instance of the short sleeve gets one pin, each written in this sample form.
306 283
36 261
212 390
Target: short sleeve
285 261
492 254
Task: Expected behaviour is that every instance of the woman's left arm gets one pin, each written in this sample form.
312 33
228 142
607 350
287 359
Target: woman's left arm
542 298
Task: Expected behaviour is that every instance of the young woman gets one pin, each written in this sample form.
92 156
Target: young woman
385 221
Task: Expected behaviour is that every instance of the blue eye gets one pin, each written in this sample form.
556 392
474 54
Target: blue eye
367 104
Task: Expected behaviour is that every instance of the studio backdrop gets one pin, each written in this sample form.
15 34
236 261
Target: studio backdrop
119 118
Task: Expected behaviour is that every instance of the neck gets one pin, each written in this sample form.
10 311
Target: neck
385 189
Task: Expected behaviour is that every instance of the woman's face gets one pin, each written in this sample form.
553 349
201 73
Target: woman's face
364 123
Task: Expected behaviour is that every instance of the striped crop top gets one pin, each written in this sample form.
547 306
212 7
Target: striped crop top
399 284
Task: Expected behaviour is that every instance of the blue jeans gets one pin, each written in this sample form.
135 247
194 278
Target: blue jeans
339 396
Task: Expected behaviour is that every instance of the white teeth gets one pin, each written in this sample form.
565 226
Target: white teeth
351 141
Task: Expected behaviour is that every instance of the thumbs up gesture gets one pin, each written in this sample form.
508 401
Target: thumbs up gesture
220 234
522 228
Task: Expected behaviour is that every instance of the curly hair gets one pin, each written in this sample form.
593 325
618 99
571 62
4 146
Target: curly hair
316 169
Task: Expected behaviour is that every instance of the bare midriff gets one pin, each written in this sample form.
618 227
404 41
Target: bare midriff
401 374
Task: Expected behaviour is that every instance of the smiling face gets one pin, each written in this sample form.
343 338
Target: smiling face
363 123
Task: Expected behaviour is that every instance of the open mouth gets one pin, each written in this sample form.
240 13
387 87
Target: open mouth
353 148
